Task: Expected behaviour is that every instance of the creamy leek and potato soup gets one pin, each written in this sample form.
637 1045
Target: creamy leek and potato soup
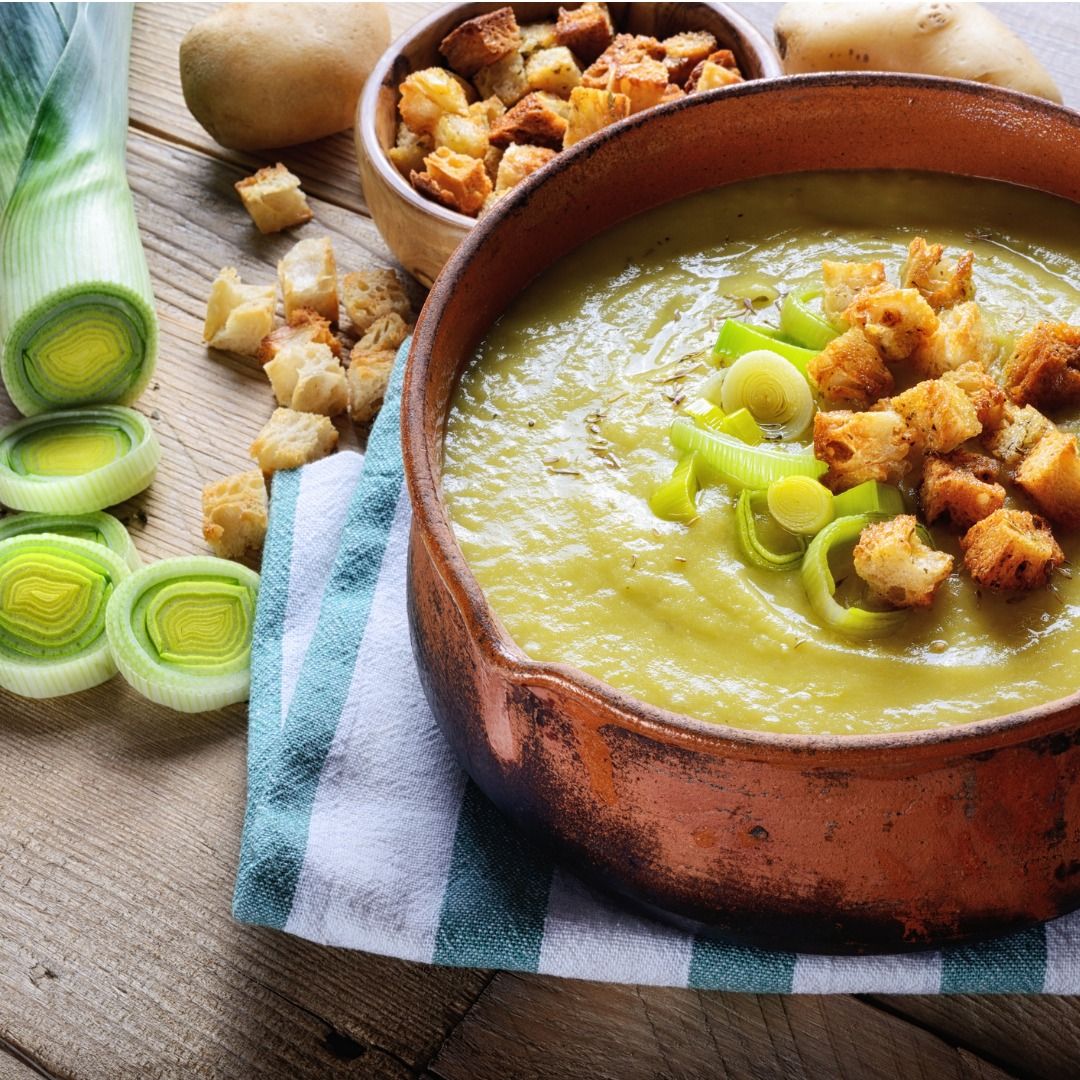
561 436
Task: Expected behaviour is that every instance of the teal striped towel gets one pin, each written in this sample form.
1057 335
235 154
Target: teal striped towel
361 830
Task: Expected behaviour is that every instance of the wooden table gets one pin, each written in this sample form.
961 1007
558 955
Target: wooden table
120 821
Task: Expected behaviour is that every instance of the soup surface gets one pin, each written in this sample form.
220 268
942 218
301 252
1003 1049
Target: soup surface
559 434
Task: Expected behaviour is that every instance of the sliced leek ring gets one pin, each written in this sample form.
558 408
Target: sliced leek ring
98 528
78 460
773 391
180 632
54 593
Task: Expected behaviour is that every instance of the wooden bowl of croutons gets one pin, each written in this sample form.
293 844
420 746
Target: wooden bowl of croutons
474 99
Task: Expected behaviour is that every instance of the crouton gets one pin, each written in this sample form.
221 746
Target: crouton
962 486
535 36
291 439
308 377
845 281
591 110
624 51
714 76
385 334
586 30
492 161
487 111
554 71
368 295
368 376
308 276
409 151
942 282
848 371
1050 474
1011 549
671 93
860 446
644 83
939 415
273 199
238 316
481 41
725 58
466 135
532 120
235 514
492 200
1044 369
505 79
683 52
985 394
898 566
1019 431
456 180
897 321
304 326
428 94
961 336
518 162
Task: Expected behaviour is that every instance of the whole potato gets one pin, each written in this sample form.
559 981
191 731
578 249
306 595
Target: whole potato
267 75
960 40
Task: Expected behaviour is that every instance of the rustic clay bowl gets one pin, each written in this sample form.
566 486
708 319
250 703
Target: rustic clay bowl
830 844
420 232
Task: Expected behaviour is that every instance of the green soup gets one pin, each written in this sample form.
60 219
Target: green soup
558 435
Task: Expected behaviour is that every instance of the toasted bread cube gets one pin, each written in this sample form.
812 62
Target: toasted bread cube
238 316
368 295
369 376
625 51
273 199
683 52
938 414
725 58
428 94
518 162
535 36
962 336
308 276
291 439
1050 474
492 160
491 201
304 326
385 334
644 83
848 371
585 30
897 321
1015 437
898 566
591 110
672 93
1044 369
487 111
456 180
410 150
962 486
985 394
941 281
235 514
860 446
505 79
1011 549
309 378
481 41
845 281
715 76
554 71
466 135
533 120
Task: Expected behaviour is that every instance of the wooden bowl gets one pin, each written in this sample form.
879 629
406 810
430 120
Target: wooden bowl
829 844
420 232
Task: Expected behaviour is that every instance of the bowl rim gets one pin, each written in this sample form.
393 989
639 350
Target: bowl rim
432 519
366 106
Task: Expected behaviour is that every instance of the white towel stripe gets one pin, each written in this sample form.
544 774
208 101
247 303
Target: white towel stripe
910 973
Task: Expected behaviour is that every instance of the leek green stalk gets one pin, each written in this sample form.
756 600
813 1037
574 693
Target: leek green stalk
675 498
77 318
869 497
739 425
737 338
98 528
753 547
799 323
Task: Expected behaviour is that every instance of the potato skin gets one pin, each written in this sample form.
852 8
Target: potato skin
960 40
266 75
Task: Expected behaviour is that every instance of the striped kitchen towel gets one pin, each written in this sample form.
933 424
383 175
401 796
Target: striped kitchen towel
361 830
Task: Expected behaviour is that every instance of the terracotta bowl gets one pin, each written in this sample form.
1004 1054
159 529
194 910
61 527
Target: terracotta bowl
423 234
829 844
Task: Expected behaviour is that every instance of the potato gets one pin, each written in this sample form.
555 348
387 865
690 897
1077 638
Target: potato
267 75
960 40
